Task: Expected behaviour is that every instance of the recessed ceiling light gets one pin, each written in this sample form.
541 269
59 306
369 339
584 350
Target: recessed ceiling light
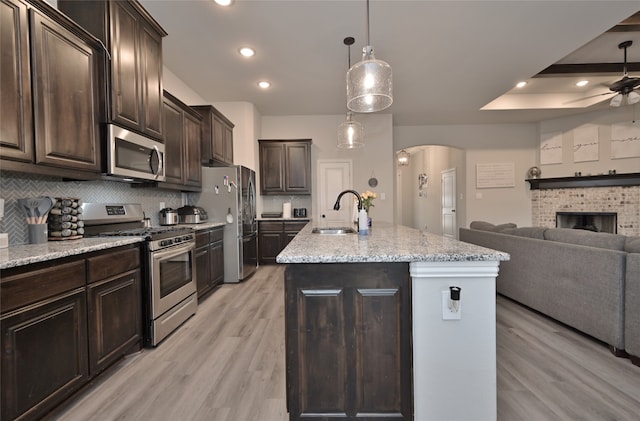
582 83
224 2
247 52
264 84
521 84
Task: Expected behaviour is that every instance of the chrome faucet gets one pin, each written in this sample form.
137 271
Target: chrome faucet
337 205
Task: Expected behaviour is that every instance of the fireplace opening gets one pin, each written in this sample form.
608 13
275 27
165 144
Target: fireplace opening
591 221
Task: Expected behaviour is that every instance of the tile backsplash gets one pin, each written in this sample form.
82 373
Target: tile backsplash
17 185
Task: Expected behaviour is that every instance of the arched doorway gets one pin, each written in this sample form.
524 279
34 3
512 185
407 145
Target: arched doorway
419 203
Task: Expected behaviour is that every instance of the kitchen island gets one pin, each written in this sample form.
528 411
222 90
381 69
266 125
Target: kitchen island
369 331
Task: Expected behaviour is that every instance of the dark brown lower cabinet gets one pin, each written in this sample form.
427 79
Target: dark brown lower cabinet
62 323
44 355
115 319
348 341
274 236
209 260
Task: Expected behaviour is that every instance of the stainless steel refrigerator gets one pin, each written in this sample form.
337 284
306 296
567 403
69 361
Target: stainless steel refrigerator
229 195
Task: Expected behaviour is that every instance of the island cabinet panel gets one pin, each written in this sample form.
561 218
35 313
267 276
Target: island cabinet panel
322 342
348 341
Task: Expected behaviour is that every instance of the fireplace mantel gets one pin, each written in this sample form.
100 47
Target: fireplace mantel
631 179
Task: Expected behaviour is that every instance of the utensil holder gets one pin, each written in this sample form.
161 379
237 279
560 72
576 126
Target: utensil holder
38 233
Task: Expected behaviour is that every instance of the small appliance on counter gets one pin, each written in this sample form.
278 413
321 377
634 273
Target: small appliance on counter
299 212
168 216
192 215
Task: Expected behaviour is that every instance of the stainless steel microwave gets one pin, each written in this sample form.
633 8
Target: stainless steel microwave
130 155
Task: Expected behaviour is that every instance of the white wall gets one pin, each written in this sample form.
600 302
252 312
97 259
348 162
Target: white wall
376 157
483 144
176 87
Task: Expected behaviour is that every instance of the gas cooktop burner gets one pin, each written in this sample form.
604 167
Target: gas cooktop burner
148 233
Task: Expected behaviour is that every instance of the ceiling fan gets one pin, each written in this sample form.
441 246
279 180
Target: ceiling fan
625 87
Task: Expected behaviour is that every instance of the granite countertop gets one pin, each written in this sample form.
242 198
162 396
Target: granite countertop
34 253
385 243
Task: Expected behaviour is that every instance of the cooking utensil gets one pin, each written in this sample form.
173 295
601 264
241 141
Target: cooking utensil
29 207
44 206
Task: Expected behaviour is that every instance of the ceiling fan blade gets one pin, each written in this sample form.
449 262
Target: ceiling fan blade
573 101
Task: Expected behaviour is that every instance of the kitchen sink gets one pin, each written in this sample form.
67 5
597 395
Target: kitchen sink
333 230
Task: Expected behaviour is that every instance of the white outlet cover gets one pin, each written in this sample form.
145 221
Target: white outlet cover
447 314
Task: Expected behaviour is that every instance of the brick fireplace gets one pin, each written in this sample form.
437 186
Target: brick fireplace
624 201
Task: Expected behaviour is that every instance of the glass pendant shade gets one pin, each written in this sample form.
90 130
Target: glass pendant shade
369 84
350 134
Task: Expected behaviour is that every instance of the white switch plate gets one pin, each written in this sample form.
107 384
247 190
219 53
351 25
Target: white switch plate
447 314
162 205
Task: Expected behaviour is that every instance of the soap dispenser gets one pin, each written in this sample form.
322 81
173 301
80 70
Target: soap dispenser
363 222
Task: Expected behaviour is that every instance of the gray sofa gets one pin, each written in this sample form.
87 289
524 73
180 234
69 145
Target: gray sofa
581 278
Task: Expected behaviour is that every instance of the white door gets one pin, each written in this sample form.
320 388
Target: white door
449 226
334 176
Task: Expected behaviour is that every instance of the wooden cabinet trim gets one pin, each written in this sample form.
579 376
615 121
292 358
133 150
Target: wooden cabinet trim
28 286
112 263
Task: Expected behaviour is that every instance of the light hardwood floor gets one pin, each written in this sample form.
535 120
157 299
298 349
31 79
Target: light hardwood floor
227 364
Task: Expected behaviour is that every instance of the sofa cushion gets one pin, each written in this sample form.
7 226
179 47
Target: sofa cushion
580 237
488 226
531 232
632 245
481 225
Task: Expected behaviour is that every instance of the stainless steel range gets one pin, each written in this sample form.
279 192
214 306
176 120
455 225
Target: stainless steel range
169 287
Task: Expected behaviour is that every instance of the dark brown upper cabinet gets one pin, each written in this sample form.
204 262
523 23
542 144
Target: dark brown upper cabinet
16 124
217 137
51 82
285 167
182 145
134 43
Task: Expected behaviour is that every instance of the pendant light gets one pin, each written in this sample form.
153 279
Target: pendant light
351 132
403 158
369 82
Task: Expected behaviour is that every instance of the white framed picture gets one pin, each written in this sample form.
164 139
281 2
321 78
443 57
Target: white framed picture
625 140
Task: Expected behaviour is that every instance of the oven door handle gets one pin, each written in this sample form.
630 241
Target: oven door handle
175 250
